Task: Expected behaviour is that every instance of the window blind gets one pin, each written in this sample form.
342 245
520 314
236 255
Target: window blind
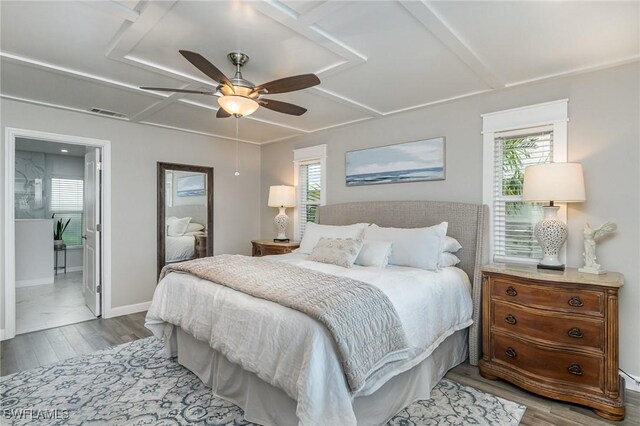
309 186
513 220
66 202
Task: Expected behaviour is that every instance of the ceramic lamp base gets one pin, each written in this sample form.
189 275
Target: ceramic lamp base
281 221
551 234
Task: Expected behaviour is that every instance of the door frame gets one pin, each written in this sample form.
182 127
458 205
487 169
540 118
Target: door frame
11 133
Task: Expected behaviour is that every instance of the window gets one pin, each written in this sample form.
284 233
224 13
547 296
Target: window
309 177
66 202
513 140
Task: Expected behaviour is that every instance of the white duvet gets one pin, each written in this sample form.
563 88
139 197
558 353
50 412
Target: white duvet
296 353
179 248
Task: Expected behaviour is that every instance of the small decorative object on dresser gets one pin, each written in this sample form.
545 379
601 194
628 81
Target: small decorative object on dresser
269 247
553 182
282 196
591 236
554 334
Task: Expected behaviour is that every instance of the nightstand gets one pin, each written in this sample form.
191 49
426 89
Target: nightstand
201 246
269 247
554 333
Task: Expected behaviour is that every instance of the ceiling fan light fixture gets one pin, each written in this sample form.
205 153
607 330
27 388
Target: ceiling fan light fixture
238 105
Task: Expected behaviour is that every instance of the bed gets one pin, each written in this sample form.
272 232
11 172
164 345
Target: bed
281 366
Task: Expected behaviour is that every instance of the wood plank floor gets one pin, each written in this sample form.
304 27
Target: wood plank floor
55 344
43 347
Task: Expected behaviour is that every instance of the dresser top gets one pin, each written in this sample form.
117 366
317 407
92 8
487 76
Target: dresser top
569 275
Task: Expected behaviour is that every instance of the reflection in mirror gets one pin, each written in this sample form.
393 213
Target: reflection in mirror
184 213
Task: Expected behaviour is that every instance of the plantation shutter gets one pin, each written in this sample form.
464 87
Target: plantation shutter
309 193
66 202
514 220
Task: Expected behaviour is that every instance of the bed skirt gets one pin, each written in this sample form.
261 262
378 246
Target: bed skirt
266 404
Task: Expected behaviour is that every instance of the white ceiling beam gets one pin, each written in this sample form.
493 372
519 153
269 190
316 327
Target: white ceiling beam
438 26
130 35
115 9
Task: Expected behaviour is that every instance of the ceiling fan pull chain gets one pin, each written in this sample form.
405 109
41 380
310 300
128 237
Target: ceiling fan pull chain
237 173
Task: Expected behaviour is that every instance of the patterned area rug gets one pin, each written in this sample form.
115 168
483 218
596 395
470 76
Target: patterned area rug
134 384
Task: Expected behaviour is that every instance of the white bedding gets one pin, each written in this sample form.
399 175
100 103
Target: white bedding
180 248
296 353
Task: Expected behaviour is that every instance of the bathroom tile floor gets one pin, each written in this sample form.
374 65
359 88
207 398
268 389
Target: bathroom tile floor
52 305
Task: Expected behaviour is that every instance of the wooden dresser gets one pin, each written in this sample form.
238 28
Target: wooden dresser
269 247
554 333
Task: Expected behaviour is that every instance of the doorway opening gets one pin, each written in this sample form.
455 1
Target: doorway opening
55 220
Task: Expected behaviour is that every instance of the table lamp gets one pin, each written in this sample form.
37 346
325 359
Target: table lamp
552 182
282 196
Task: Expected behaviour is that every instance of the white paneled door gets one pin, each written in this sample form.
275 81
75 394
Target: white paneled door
92 271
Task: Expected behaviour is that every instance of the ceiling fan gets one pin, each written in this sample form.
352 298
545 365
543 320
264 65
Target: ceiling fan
240 97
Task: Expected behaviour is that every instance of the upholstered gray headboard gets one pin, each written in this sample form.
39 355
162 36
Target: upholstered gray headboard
467 224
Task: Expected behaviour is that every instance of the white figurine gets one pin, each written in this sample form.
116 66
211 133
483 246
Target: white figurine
590 238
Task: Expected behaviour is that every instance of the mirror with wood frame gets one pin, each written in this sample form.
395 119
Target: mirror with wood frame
185 213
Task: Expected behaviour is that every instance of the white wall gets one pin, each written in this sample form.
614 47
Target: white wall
604 134
135 150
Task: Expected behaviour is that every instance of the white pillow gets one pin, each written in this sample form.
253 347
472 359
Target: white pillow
448 259
336 251
374 253
451 245
194 233
414 247
193 227
178 227
313 232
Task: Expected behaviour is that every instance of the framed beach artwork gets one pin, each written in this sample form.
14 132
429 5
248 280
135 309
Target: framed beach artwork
405 162
191 186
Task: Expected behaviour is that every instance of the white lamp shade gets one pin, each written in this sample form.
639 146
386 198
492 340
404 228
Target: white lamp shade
561 182
238 105
282 196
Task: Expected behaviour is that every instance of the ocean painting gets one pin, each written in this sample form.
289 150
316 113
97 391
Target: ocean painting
405 162
191 186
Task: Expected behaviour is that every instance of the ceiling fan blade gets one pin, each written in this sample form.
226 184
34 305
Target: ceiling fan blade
206 67
222 113
289 84
165 89
283 107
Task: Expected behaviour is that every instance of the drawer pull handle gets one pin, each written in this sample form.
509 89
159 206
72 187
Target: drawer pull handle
575 369
511 353
511 291
510 319
575 332
575 301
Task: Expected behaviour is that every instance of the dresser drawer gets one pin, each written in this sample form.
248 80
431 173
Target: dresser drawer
571 330
550 364
546 297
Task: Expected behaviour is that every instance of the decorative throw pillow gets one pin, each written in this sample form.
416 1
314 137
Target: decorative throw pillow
448 259
178 227
414 247
451 245
313 232
193 227
374 253
336 251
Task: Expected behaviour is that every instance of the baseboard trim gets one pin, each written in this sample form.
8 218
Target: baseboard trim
630 384
37 281
128 309
73 269
2 334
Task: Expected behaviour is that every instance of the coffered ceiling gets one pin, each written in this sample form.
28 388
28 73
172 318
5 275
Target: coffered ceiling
374 58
